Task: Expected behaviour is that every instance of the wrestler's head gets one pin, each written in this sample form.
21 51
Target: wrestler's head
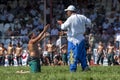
32 35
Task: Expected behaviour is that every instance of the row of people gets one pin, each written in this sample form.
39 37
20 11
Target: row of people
11 55
51 56
109 54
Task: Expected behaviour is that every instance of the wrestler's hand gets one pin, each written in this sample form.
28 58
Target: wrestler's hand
46 27
59 22
47 34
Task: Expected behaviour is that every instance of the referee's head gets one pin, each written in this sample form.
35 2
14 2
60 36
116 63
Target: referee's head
70 9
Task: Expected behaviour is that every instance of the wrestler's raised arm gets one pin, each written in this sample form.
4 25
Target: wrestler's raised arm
40 36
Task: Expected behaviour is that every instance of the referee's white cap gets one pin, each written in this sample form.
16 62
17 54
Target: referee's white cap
71 8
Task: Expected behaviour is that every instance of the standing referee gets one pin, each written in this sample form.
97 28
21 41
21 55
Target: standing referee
76 26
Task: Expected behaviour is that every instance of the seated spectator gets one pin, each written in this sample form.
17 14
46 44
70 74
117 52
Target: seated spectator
40 26
29 25
10 17
105 36
54 31
111 18
24 31
106 24
36 21
57 59
9 32
0 34
6 27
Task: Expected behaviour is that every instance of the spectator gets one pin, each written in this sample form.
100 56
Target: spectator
106 24
24 31
105 36
29 25
54 32
9 32
10 17
36 21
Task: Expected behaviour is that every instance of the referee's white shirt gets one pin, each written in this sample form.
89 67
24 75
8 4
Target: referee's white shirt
75 26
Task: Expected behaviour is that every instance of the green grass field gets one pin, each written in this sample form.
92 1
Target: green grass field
61 73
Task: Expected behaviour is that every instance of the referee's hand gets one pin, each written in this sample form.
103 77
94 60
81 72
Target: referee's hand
59 22
61 33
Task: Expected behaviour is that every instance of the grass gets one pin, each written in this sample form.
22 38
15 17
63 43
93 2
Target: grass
61 73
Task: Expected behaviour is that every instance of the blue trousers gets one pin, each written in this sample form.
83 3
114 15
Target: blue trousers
77 53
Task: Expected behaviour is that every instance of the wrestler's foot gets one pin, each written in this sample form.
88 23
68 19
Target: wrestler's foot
86 69
22 71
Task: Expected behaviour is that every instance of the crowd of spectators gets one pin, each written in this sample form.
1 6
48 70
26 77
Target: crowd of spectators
20 17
